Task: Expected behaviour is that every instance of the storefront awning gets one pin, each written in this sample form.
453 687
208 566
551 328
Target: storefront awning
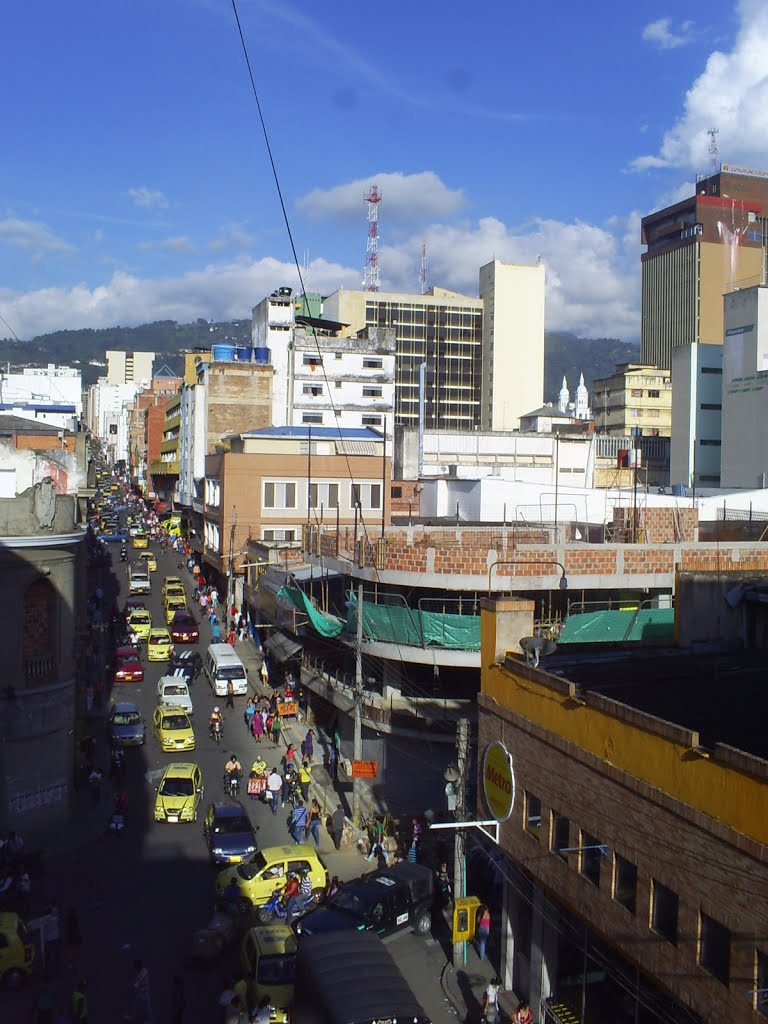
282 647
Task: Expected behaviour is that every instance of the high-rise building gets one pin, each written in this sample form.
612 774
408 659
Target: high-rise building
484 356
697 250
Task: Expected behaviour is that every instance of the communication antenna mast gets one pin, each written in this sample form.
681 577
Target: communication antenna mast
371 274
423 274
712 148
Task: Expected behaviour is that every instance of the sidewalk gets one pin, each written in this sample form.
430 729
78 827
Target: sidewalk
465 987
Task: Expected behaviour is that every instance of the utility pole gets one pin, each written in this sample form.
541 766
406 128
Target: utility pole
357 743
459 886
231 572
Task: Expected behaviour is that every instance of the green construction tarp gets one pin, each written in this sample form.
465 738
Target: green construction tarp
325 625
613 626
398 624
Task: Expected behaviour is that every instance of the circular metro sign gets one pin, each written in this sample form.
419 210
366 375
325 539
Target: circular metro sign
498 781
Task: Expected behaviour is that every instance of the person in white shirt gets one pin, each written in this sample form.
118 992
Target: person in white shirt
274 788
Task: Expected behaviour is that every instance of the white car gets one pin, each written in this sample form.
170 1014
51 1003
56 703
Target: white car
173 691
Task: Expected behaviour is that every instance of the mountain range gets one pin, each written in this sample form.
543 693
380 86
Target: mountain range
565 355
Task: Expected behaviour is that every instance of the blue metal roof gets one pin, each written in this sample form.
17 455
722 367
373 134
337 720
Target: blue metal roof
318 433
37 406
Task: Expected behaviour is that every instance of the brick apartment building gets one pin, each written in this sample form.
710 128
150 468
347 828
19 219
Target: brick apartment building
270 482
635 878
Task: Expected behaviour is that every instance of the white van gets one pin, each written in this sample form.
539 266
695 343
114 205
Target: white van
138 580
222 664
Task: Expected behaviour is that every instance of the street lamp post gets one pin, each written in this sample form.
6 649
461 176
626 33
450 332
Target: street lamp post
563 584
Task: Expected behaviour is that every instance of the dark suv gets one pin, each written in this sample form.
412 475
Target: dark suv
384 902
228 832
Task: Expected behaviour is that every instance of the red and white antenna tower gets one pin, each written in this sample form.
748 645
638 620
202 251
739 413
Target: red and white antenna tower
713 150
371 274
423 274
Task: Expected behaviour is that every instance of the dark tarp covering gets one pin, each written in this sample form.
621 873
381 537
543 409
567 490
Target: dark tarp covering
281 647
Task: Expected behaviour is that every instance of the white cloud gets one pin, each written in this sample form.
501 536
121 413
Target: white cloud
232 236
404 197
221 292
148 198
31 235
731 94
660 34
180 244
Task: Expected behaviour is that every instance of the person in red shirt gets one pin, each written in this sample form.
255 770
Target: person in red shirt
290 889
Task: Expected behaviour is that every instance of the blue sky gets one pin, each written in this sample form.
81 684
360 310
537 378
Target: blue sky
136 185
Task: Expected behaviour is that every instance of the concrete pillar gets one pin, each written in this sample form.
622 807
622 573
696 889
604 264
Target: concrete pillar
543 953
509 914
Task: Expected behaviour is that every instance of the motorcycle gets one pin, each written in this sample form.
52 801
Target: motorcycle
274 908
215 730
232 784
123 554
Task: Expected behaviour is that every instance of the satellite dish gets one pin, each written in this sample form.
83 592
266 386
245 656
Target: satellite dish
537 647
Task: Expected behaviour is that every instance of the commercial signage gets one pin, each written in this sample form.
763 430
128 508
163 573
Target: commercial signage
498 781
365 769
750 172
287 708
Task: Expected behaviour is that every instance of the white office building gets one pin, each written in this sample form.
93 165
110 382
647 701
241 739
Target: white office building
697 395
52 395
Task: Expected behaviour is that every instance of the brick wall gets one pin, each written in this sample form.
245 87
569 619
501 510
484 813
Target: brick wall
36 626
709 867
657 525
407 500
239 398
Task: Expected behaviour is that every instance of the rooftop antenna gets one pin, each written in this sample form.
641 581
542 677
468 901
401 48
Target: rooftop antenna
712 149
371 274
423 274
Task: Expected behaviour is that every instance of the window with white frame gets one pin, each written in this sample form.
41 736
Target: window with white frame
373 364
312 418
371 421
312 389
212 492
212 537
311 360
372 392
367 495
279 494
326 495
278 534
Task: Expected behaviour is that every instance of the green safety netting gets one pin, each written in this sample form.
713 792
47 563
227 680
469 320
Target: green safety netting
415 628
326 625
613 626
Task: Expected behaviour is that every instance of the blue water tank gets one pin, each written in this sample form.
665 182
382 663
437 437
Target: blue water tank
222 353
243 353
678 490
261 355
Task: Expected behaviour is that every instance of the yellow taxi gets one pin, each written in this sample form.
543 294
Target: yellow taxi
172 581
17 952
269 869
172 605
140 623
179 793
173 728
140 540
159 644
268 960
174 590
149 560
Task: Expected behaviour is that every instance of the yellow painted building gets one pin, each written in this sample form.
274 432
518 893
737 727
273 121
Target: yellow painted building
631 847
635 400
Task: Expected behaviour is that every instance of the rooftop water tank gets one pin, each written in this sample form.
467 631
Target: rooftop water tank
261 355
243 353
222 353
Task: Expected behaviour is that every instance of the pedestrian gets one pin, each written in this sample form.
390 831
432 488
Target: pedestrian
116 764
442 886
141 989
74 937
230 695
178 1000
483 930
51 930
24 891
491 1001
231 636
313 824
417 829
274 787
214 597
290 754
305 775
250 711
211 616
276 729
264 673
257 725
337 826
233 1014
289 777
263 1012
309 745
79 1003
241 628
522 1014
298 825
44 1003
333 762
94 781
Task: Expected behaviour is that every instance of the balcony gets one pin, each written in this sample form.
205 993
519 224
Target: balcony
159 468
39 670
169 445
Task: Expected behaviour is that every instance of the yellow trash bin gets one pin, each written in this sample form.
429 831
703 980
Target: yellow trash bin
465 918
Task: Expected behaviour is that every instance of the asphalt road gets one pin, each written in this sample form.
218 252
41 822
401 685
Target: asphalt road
144 894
